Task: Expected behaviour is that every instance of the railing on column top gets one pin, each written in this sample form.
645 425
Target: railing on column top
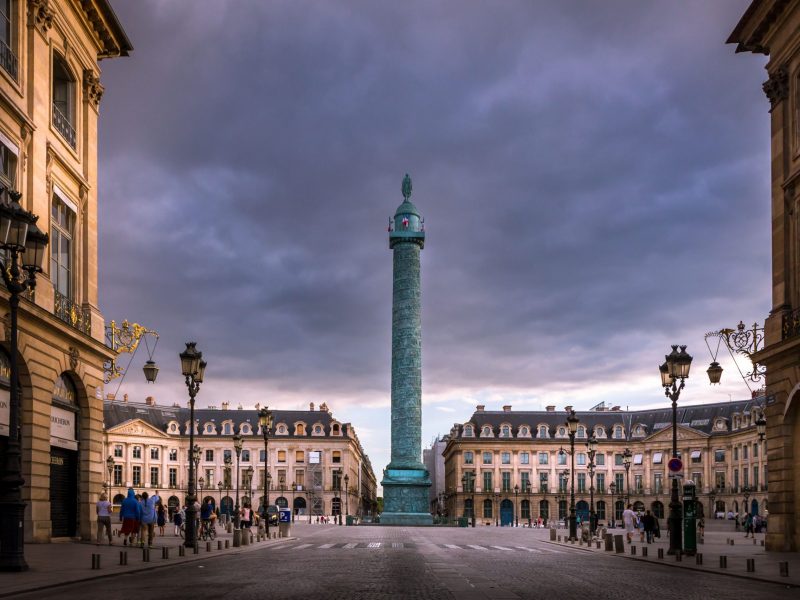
63 126
72 314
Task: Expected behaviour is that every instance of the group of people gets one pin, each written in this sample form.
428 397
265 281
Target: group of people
647 525
752 524
140 514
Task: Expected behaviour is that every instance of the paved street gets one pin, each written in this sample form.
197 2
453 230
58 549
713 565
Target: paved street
384 562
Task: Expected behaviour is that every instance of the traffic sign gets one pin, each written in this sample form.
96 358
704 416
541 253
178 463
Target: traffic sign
675 465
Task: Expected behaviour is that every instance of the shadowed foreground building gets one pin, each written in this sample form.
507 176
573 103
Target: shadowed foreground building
310 453
772 27
513 468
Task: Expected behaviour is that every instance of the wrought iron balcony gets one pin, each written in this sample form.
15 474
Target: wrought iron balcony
63 126
8 60
72 314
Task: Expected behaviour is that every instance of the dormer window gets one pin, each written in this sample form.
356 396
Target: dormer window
281 429
299 429
63 100
599 432
246 430
486 431
523 431
543 431
173 427
581 431
719 424
505 431
468 431
618 433
336 429
318 430
562 432
210 428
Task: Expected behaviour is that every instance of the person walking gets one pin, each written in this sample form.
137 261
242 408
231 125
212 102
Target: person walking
103 509
130 513
748 525
177 519
629 520
161 518
148 519
649 525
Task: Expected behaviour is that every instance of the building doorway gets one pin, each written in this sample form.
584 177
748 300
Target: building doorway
64 463
506 512
582 511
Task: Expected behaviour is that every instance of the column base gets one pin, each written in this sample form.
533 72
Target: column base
405 497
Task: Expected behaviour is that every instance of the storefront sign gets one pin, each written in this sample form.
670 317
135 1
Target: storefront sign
62 428
5 411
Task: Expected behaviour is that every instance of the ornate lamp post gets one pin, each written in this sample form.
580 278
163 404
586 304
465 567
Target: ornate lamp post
572 426
237 447
465 485
761 427
497 509
249 474
712 497
591 445
626 462
228 462
346 494
746 491
674 373
196 460
193 368
516 504
265 421
201 482
528 498
219 487
19 235
613 488
110 469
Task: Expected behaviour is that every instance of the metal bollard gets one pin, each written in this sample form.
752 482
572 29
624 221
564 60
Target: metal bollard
145 554
698 559
633 550
754 541
237 538
244 538
195 549
227 544
559 539
251 538
164 552
751 565
181 550
208 546
219 544
644 551
723 562
609 539
783 567
95 562
598 544
619 545
678 557
660 553
123 557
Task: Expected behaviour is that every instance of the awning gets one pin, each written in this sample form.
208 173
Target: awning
695 453
657 457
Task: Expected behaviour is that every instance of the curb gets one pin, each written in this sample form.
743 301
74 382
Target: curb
49 586
688 567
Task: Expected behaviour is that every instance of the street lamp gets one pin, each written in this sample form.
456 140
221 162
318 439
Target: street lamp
497 509
346 493
591 445
712 496
572 426
193 369
19 235
220 485
746 491
613 488
466 487
761 427
528 498
228 461
675 370
516 504
265 421
249 474
626 462
237 447
110 469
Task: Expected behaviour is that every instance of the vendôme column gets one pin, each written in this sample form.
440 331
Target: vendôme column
405 479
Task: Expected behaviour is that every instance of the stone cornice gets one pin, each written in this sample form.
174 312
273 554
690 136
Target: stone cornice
750 34
108 31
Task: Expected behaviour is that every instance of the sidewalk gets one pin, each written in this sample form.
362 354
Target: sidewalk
52 565
715 545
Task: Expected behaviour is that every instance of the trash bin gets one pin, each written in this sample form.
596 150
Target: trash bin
351 520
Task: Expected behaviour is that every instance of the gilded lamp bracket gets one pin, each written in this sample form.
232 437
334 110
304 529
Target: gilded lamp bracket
126 338
742 341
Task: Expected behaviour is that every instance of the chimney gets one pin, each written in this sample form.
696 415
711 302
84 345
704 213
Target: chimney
125 397
615 408
568 408
550 408
507 408
224 406
480 407
311 406
111 397
324 407
150 401
175 405
239 407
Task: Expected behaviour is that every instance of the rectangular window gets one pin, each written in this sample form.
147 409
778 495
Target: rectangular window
336 456
469 483
153 453
755 449
745 448
719 480
525 478
336 478
562 483
487 458
487 509
619 482
637 459
209 456
618 458
658 458
299 456
173 477
118 451
506 481
600 460
581 457
173 455
8 159
487 482
581 483
505 458
736 478
137 452
281 456
697 457
719 456
746 477
601 483
638 484
261 456
755 476
154 476
246 456
658 483
543 457
698 482
227 455
137 476
469 458
300 478
117 474
736 453
62 231
524 458
562 458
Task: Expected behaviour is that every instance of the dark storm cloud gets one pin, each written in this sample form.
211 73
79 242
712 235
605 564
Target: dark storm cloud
593 176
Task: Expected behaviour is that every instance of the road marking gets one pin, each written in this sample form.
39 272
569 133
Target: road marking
374 545
327 546
502 548
474 547
453 546
397 544
301 547
350 546
536 550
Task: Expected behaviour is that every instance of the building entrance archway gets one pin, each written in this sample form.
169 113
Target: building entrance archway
506 512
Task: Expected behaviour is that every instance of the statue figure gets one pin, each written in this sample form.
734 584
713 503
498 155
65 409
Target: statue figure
406 187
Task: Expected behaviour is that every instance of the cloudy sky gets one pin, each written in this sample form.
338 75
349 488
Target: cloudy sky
594 179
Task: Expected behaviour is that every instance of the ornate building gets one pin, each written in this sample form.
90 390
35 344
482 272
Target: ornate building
505 466
316 463
772 27
50 93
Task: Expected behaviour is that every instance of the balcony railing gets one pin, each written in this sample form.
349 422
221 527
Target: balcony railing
72 314
63 126
8 60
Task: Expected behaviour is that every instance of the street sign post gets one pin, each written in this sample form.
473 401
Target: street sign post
675 465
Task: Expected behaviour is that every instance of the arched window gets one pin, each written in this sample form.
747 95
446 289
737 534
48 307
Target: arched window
562 432
544 509
246 429
336 506
523 431
601 510
335 429
64 390
525 509
468 508
487 509
506 432
468 432
599 432
227 429
300 429
618 432
63 100
210 428
581 431
317 430
486 432
542 431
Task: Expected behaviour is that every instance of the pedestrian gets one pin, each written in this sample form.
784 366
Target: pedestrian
148 519
640 527
177 519
103 509
629 520
130 513
649 526
161 518
748 525
246 517
736 525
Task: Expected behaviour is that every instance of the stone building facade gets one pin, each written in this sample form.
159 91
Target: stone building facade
515 469
310 454
772 27
50 93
